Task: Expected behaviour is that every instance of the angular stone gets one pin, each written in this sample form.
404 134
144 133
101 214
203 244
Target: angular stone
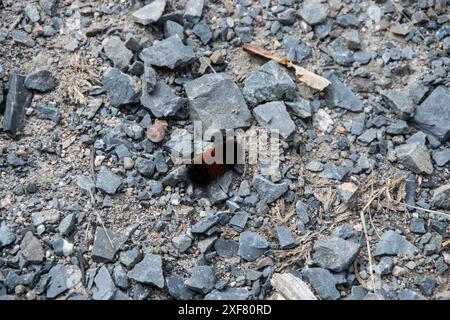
202 279
182 243
339 95
314 12
217 101
415 157
170 53
323 282
273 116
441 197
229 294
67 225
106 244
23 38
441 157
6 236
162 102
400 102
49 6
252 246
226 248
433 115
269 83
50 216
172 28
107 181
392 243
193 10
17 100
85 183
399 127
48 113
120 88
205 224
178 289
145 167
202 31
339 52
285 238
63 278
150 13
301 108
32 12
40 80
148 271
267 190
105 285
335 254
31 248
117 52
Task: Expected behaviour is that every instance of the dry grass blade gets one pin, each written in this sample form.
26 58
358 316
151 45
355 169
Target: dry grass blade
78 80
305 76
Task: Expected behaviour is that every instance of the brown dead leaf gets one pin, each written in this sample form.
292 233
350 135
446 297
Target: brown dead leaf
303 75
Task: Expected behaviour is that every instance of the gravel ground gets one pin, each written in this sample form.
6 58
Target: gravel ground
95 97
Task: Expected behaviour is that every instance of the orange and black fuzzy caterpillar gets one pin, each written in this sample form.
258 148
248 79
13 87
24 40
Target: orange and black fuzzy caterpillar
202 172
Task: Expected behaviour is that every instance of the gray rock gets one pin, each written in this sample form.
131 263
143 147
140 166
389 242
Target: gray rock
32 12
244 33
273 116
267 190
63 278
107 181
357 293
433 115
175 176
6 236
400 102
170 53
17 100
399 127
48 113
49 6
202 31
415 157
106 244
352 40
367 137
239 221
392 243
384 267
117 52
85 183
67 225
229 294
287 17
296 51
120 277
447 45
206 244
323 282
193 10
335 254
120 88
441 197
145 167
417 225
203 225
285 238
150 13
339 95
148 271
269 83
105 285
202 279
427 285
339 52
61 247
31 248
13 279
441 157
251 246
130 258
162 102
410 295
217 101
182 243
178 289
301 108
23 38
314 12
302 212
40 80
226 248
172 28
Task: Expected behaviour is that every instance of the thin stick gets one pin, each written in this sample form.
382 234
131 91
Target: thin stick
446 215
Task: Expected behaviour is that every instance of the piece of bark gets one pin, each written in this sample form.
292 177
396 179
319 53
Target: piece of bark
291 287
303 75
